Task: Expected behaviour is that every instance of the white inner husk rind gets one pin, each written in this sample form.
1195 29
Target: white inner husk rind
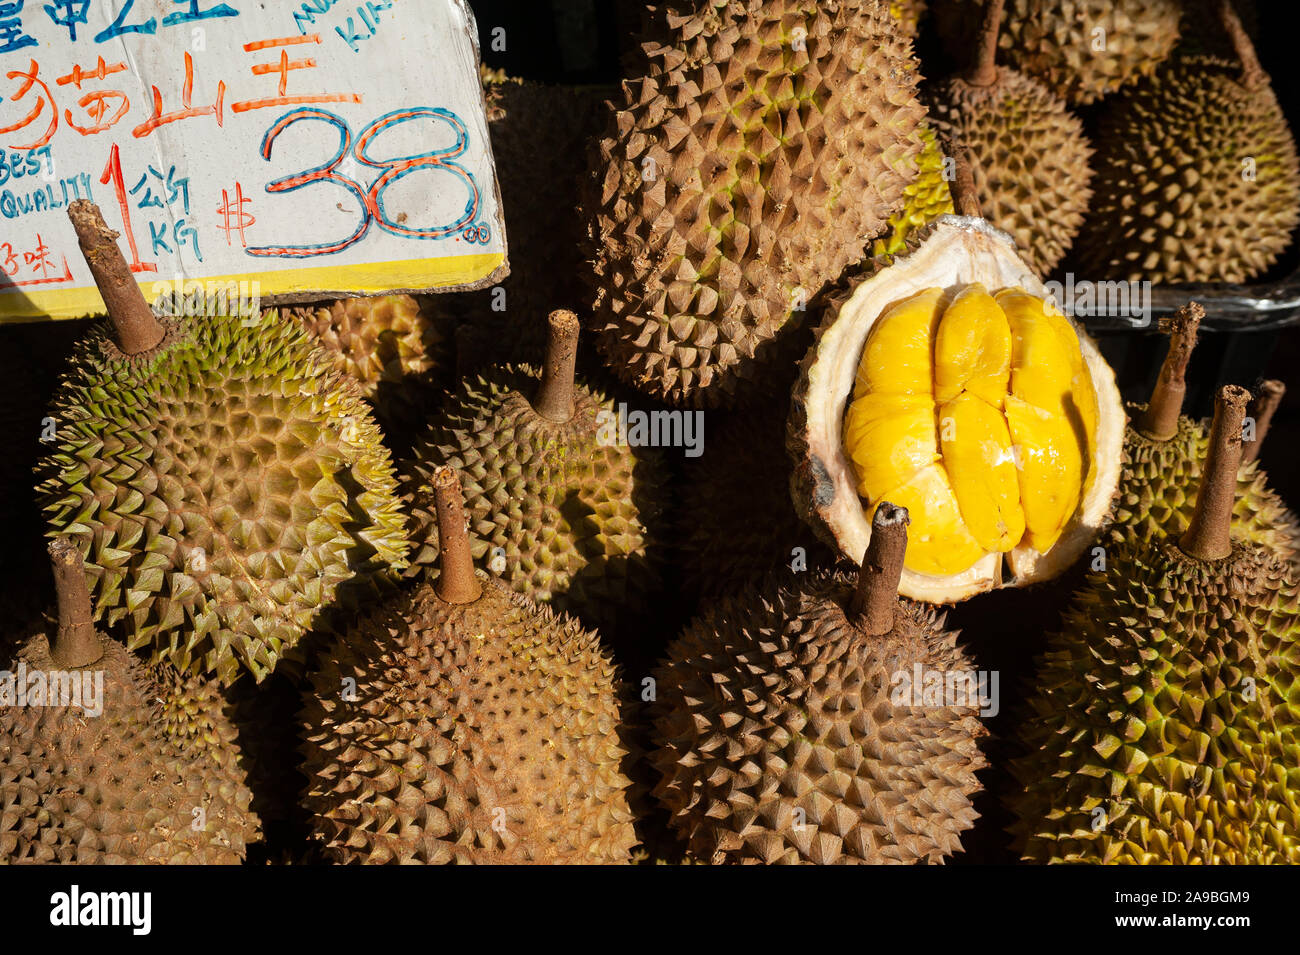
956 252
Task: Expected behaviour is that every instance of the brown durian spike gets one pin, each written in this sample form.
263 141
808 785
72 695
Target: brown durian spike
76 644
964 197
137 328
876 594
985 70
1262 409
1160 421
555 396
1209 533
1252 73
456 581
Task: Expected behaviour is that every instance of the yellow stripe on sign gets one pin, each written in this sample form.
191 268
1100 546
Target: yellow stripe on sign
45 303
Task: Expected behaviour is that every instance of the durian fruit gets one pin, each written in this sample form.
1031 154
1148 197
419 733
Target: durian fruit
1162 455
115 763
462 723
559 509
763 146
1197 177
1268 396
381 339
398 348
742 473
924 199
1164 729
783 736
224 482
1081 50
949 383
1028 153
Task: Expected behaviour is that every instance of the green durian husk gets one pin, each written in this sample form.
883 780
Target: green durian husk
1164 725
224 488
1158 485
557 511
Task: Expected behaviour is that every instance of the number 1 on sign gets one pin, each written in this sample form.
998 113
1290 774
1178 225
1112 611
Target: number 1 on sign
113 172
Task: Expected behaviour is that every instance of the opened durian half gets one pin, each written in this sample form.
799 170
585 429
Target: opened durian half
950 384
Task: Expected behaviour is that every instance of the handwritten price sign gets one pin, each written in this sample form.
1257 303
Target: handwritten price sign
315 147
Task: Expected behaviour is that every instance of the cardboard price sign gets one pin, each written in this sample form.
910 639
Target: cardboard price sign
312 148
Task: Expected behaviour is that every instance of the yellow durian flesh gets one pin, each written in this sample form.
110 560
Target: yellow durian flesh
977 412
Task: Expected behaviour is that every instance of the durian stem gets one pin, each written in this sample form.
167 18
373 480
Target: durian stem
1252 73
964 197
1262 409
985 71
876 595
137 328
1209 534
75 644
555 396
456 581
1160 421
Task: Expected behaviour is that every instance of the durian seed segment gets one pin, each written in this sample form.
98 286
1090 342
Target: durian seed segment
1209 534
977 413
876 595
1262 409
1160 421
76 643
456 581
137 328
554 400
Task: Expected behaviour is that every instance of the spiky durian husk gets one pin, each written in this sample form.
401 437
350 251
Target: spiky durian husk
481 733
385 338
122 787
1173 202
774 162
1158 485
1055 41
540 135
737 523
400 349
1029 157
224 488
574 515
1164 727
925 199
771 703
